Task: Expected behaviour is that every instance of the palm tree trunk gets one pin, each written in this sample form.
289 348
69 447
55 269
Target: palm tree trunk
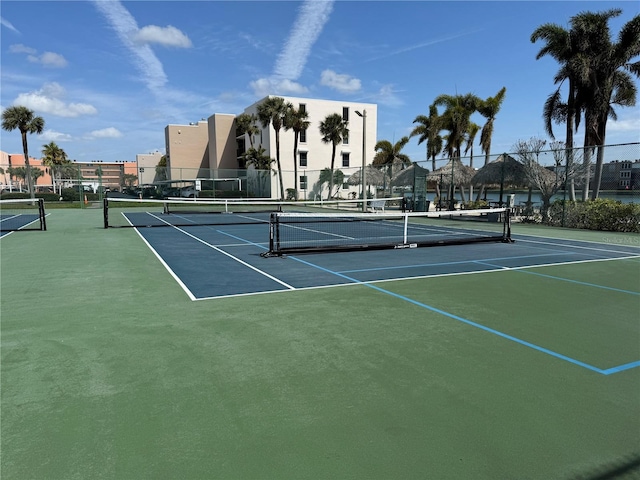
295 165
279 166
597 178
28 178
333 158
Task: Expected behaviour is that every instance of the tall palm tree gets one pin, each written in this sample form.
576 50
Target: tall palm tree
272 111
489 109
296 120
23 119
386 154
429 131
563 46
605 77
333 130
472 131
53 157
456 120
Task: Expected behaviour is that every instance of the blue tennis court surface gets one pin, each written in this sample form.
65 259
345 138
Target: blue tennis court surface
222 261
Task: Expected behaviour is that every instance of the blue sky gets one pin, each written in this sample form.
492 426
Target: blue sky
107 77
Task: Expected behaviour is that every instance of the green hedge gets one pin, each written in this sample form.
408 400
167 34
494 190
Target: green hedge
601 214
48 197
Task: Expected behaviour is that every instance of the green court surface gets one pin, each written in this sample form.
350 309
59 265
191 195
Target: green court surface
109 371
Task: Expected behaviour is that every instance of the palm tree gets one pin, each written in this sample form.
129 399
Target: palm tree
23 119
258 158
429 131
333 130
489 109
246 125
386 154
53 157
456 120
296 120
605 78
473 130
272 111
560 44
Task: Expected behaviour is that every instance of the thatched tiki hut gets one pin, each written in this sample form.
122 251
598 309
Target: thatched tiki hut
373 176
453 174
507 171
503 171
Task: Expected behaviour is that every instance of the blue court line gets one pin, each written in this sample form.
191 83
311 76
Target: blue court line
562 279
609 371
477 325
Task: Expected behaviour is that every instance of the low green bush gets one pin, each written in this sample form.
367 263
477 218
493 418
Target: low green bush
602 214
475 204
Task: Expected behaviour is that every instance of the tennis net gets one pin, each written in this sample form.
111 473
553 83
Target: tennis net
22 214
318 232
124 212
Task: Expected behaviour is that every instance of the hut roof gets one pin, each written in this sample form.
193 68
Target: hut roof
506 169
462 174
407 176
373 176
492 173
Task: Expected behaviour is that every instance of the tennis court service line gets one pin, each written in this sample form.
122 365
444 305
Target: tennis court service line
476 325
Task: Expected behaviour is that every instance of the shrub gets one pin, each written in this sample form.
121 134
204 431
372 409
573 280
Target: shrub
601 214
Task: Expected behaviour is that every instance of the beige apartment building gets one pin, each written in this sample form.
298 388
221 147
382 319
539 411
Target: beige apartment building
196 150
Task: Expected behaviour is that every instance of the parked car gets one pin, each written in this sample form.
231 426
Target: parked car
188 192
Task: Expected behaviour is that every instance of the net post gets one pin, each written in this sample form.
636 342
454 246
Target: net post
105 211
507 227
43 220
406 229
274 243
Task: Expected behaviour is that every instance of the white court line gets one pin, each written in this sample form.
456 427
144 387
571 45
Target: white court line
271 277
578 246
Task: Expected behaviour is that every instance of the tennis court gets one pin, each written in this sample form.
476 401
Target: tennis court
488 360
20 214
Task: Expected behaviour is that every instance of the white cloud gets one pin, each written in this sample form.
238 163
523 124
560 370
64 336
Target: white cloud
110 132
387 96
342 83
273 86
53 136
629 124
308 26
49 99
20 48
168 36
49 59
7 23
126 28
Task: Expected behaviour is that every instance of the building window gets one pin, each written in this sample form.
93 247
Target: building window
303 136
303 159
345 160
303 182
302 107
345 114
345 140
